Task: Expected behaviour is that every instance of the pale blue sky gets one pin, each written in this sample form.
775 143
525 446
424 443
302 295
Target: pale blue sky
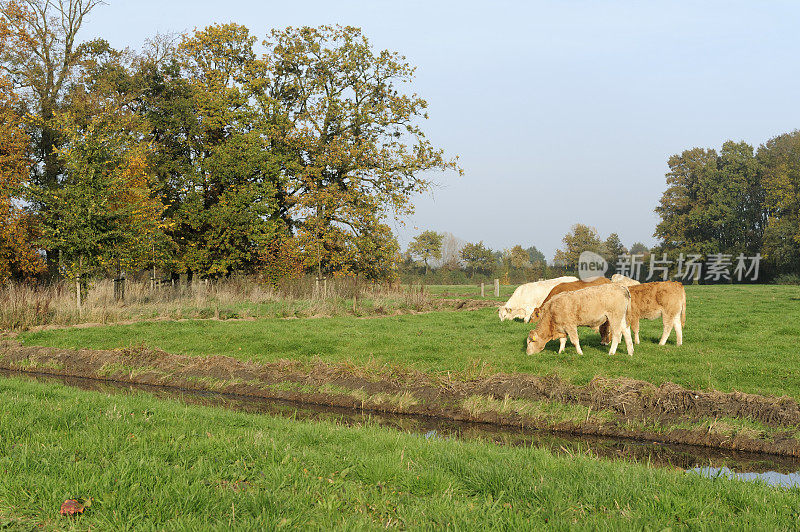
561 112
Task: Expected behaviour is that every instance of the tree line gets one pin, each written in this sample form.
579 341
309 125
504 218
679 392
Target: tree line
222 151
213 152
738 200
735 200
443 258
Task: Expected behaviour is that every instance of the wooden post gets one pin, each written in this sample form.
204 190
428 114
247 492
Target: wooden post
119 289
483 290
325 288
497 288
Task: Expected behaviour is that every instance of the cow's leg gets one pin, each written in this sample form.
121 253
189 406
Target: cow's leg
573 337
678 329
667 329
614 323
563 341
614 343
626 332
635 329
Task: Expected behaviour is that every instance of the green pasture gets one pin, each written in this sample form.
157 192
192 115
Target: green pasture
736 338
154 464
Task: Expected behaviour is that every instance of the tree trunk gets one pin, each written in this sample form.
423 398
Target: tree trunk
78 295
78 280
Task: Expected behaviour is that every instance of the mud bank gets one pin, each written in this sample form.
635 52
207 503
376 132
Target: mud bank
621 408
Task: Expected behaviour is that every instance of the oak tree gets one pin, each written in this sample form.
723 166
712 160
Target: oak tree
426 246
477 257
580 238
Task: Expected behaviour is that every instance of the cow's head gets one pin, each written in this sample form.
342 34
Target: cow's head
503 312
535 343
534 316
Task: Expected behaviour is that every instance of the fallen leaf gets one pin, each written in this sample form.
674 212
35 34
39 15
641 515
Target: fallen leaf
72 507
75 506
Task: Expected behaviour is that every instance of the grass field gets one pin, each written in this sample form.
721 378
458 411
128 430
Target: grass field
161 465
736 338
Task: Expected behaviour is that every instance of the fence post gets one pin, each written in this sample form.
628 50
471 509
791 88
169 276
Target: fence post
483 290
497 288
119 289
325 288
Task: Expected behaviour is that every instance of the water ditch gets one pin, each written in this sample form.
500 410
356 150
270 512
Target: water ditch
779 471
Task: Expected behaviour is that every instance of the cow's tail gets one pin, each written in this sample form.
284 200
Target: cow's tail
683 308
627 321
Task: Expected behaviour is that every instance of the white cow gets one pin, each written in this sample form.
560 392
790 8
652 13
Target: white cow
529 296
622 280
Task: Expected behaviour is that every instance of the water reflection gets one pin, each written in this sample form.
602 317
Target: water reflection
771 478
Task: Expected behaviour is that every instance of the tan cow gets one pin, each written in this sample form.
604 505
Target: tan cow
562 315
666 299
565 287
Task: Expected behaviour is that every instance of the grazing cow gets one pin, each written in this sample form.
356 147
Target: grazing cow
529 296
624 281
562 315
566 287
651 300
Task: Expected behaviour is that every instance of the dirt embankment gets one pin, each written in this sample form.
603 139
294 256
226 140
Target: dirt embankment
608 407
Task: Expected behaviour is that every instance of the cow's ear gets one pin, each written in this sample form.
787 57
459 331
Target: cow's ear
537 313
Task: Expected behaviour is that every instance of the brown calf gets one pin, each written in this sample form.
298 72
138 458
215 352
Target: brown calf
651 300
593 306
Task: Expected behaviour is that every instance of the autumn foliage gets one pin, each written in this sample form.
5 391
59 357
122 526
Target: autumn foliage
205 154
281 260
19 255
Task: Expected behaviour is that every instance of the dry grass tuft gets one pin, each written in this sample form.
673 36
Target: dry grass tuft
23 307
549 411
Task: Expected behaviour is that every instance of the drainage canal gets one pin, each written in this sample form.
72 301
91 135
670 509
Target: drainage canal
714 463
